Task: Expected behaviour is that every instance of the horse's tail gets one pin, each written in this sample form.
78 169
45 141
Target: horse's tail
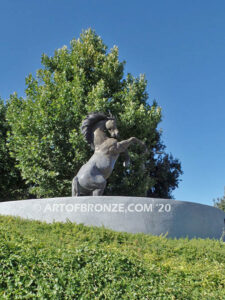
75 187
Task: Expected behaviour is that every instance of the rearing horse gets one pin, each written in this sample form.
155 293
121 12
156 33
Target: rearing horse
91 178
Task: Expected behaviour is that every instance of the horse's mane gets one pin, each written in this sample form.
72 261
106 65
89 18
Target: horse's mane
89 122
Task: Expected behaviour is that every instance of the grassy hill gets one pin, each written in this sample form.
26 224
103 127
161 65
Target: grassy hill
68 261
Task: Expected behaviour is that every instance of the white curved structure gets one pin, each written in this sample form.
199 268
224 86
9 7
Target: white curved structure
130 214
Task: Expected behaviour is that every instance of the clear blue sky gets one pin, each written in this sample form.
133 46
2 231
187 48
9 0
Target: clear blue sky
179 46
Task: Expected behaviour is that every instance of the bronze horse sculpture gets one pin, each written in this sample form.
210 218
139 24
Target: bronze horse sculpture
92 176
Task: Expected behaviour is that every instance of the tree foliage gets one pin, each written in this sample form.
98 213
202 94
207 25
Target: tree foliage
45 137
220 202
12 186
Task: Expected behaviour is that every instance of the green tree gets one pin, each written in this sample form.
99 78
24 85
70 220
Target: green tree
45 137
12 186
220 202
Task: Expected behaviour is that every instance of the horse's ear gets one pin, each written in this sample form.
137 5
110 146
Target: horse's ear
110 115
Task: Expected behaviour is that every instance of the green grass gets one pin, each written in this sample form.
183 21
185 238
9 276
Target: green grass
68 261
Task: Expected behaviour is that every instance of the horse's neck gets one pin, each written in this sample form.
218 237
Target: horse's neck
99 137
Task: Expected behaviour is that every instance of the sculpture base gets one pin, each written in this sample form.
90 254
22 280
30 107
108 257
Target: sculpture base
130 214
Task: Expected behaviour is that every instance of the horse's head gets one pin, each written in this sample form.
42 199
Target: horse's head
110 125
100 121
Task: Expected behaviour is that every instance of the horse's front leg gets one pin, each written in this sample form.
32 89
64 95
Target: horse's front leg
127 159
123 145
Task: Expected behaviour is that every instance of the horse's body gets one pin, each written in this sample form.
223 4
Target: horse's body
92 176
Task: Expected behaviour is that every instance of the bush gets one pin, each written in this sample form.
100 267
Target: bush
68 261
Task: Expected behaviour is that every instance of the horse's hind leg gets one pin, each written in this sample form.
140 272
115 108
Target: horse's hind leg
101 187
75 187
98 192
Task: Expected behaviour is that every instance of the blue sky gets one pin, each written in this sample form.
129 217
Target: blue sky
179 46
